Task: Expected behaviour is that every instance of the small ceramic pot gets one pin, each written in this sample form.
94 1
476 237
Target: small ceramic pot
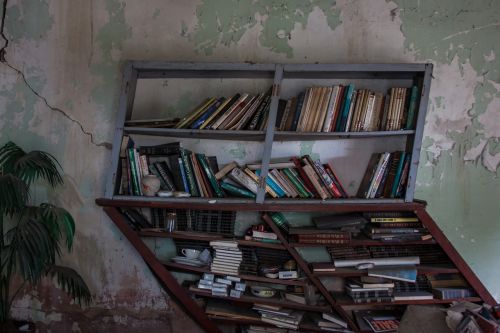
150 185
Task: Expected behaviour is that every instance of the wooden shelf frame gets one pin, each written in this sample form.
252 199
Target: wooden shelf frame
420 74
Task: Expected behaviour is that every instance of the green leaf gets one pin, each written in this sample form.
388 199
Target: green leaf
32 248
59 221
29 166
14 193
72 283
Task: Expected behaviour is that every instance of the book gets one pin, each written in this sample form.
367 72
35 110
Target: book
236 191
243 179
295 297
398 273
380 324
339 220
210 175
364 186
412 108
389 261
322 267
451 293
334 319
298 109
412 296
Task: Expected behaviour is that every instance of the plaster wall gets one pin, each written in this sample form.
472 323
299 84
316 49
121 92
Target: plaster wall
59 88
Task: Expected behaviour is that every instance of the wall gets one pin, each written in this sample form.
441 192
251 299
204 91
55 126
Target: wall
61 76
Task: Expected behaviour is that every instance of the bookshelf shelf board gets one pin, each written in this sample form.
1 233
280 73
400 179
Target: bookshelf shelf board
197 134
349 303
421 269
368 242
274 205
205 269
208 238
248 321
269 301
303 136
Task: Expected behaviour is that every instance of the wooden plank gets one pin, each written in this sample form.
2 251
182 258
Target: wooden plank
285 205
455 257
198 134
305 268
304 136
166 278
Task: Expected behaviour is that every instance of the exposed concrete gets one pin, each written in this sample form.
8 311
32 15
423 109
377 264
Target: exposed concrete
59 93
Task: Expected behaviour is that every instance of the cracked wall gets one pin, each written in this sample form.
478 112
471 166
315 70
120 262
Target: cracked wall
59 90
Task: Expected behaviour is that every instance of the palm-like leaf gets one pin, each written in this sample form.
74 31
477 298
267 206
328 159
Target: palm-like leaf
58 220
72 283
31 248
29 166
14 193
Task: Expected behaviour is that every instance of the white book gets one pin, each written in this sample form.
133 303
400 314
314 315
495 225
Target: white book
243 179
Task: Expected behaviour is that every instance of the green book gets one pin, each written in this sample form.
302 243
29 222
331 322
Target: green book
298 186
412 108
280 220
188 169
398 175
133 172
210 175
237 191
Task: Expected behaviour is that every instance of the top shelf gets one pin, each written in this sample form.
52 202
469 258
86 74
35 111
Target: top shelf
260 135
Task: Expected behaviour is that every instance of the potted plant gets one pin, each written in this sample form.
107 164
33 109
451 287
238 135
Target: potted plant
32 237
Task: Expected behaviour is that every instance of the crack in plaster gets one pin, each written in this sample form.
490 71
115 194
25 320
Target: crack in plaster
3 52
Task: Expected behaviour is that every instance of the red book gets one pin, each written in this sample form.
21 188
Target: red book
304 177
336 180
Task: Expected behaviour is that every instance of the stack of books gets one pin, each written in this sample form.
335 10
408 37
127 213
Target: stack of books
451 293
227 259
301 178
386 175
178 169
312 235
374 292
278 316
264 329
352 223
222 286
345 109
396 229
328 322
240 112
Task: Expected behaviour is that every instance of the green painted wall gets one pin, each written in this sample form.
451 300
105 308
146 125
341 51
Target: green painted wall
71 52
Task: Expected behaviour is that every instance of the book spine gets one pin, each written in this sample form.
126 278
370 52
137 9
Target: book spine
327 180
308 185
377 176
255 178
301 182
165 174
412 108
399 225
286 114
133 172
397 177
183 175
336 235
242 178
298 186
191 116
273 185
214 107
324 241
404 175
138 169
237 191
335 180
154 171
298 108
258 114
383 180
346 109
188 169
211 177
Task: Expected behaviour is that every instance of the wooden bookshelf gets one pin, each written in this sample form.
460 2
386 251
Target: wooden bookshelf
388 75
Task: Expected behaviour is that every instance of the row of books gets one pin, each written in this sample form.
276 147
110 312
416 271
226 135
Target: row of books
240 112
409 230
386 175
342 108
301 177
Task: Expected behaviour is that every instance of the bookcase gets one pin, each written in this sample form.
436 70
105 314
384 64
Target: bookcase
349 150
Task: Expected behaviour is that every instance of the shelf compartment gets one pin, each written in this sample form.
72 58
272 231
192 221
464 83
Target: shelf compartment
197 134
205 269
269 301
421 269
207 238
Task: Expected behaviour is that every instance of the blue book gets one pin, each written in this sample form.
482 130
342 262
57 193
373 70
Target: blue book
342 121
275 187
397 177
399 273
198 122
298 108
183 175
